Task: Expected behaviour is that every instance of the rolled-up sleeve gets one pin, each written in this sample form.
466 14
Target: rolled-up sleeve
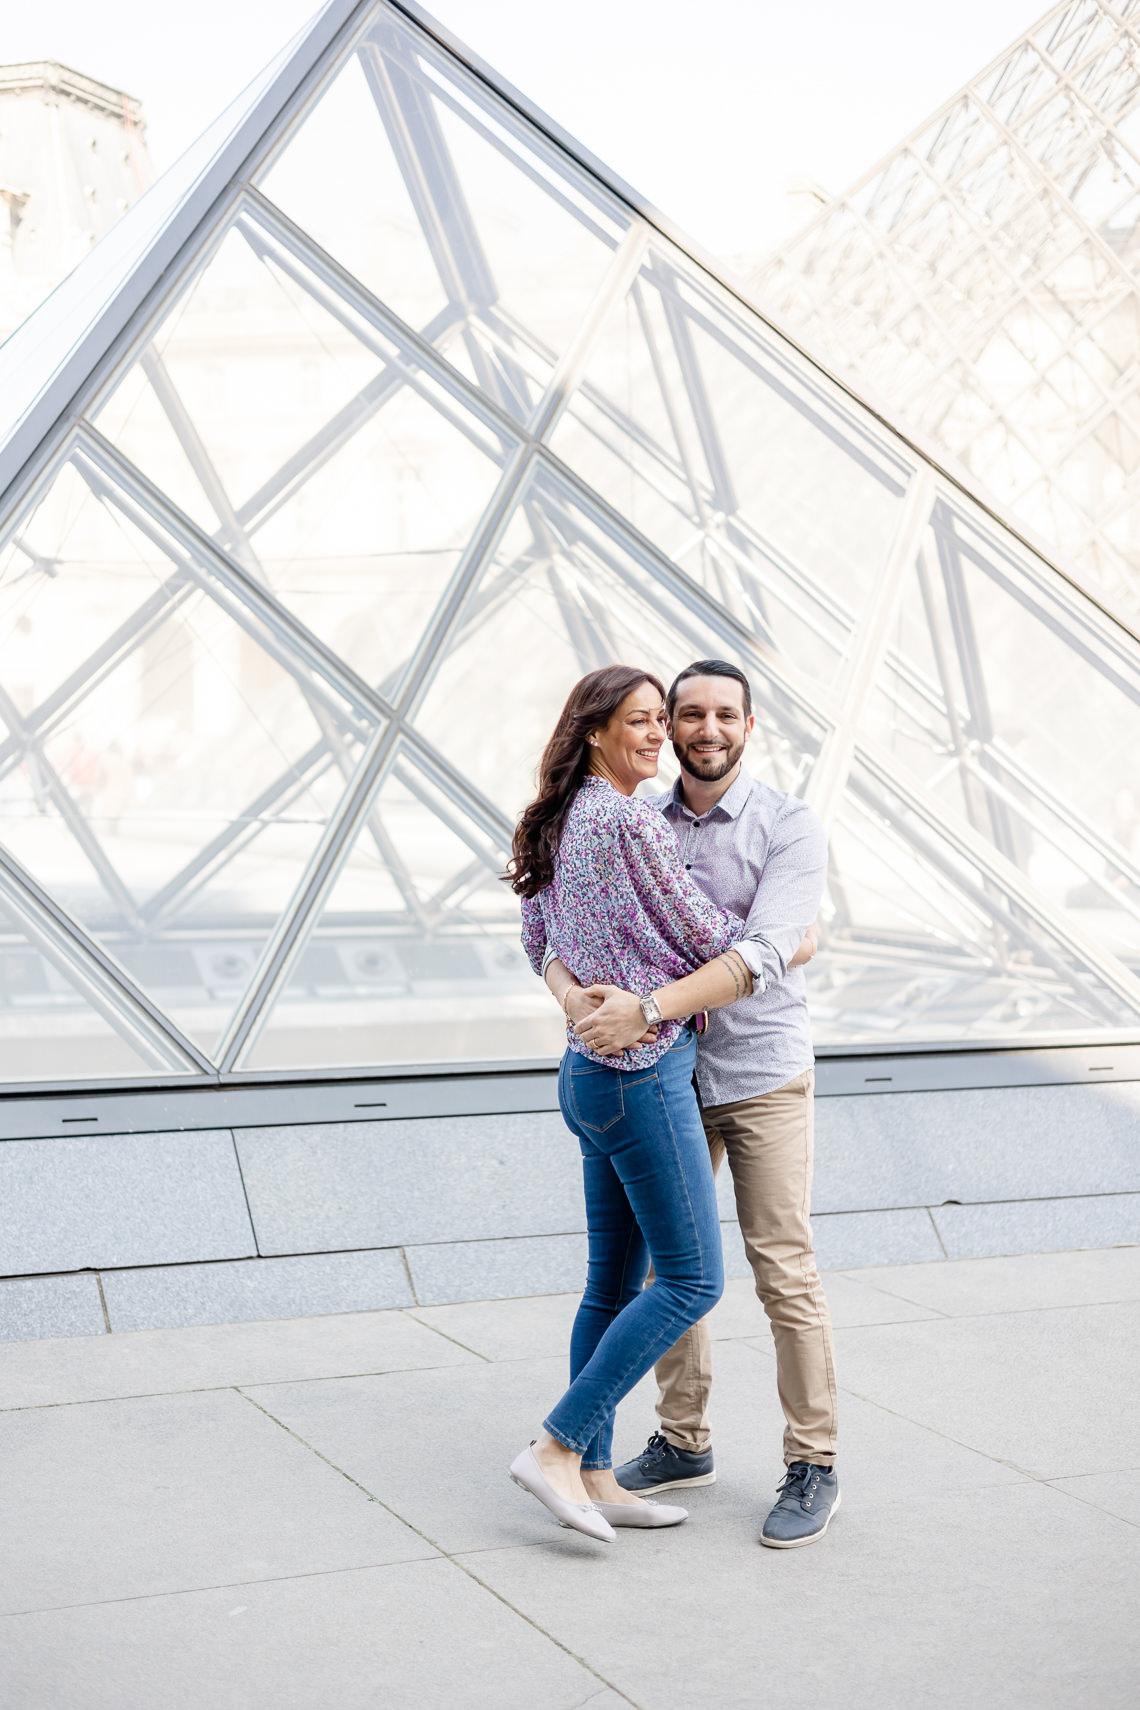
788 896
687 920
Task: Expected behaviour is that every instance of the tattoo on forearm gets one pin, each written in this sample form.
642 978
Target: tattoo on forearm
732 963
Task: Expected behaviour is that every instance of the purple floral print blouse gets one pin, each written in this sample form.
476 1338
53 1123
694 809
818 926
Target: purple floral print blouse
621 909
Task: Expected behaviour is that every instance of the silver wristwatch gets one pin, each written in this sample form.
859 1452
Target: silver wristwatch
651 1011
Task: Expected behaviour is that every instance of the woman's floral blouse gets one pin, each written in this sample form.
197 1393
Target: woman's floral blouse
621 910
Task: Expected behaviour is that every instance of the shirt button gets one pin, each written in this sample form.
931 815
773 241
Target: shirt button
688 864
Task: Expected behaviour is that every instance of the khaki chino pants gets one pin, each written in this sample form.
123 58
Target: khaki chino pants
768 1143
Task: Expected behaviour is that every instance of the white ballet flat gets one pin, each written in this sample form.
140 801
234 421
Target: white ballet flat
578 1516
644 1513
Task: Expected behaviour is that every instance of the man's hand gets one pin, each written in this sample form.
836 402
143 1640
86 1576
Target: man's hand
616 1023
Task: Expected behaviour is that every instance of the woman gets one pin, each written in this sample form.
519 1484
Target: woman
604 887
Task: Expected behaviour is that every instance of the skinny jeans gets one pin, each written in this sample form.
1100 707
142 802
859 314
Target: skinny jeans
649 1197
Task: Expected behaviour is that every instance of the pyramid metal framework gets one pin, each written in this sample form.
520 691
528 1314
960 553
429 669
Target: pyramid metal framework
984 280
376 423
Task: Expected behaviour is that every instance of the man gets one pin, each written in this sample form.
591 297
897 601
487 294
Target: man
762 854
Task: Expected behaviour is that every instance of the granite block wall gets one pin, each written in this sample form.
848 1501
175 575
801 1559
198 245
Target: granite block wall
136 1231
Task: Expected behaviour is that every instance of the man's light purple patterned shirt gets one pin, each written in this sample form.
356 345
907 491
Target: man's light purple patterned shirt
621 909
763 855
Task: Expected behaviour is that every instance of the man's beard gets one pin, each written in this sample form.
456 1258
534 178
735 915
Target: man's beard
709 768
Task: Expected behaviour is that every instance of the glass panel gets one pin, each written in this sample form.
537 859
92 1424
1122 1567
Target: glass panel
416 956
67 573
701 432
249 366
1013 249
310 447
170 757
38 349
1019 710
50 1029
564 594
171 797
464 223
921 944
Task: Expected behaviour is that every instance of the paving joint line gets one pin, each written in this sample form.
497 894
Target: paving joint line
549 1637
440 1550
313 1450
1095 1507
240 1386
945 1436
223 1585
974 1317
889 1294
413 1313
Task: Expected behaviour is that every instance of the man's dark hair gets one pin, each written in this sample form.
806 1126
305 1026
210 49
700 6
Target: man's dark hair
709 668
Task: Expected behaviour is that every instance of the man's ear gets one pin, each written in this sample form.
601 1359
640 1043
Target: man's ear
749 725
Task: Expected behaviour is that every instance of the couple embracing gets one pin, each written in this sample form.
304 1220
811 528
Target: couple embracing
673 933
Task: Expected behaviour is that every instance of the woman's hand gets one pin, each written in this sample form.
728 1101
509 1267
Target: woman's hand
808 947
580 1003
615 1022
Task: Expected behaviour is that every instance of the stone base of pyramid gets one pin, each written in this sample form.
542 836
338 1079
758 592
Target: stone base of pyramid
212 1224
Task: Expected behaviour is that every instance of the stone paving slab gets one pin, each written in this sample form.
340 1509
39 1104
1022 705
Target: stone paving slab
435 1446
172 1493
540 1325
907 1602
1035 1389
420 1636
150 1362
965 1287
212 1548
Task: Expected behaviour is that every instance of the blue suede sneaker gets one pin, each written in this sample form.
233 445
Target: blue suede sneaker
805 1502
662 1467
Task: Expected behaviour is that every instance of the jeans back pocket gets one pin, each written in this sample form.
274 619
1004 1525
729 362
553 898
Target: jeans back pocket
596 1097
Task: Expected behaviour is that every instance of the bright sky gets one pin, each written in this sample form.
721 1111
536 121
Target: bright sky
713 126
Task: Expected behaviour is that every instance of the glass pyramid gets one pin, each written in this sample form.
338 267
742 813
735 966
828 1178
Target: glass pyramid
423 420
985 279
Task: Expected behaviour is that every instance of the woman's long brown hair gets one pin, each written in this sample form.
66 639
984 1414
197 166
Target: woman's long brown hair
590 704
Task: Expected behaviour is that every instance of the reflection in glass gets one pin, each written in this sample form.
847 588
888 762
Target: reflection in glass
415 957
170 792
747 471
982 280
304 441
920 941
51 1029
476 232
565 593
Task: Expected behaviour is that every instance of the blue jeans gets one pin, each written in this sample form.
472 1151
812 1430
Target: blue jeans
649 1195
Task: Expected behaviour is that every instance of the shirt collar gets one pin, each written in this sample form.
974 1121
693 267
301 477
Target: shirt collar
731 804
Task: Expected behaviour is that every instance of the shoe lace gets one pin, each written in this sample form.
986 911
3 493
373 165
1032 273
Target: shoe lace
796 1482
654 1449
